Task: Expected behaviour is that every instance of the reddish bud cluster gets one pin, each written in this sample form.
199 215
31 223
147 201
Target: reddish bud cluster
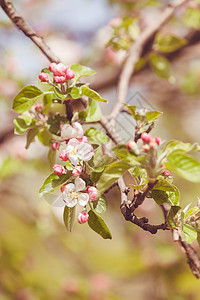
61 72
83 217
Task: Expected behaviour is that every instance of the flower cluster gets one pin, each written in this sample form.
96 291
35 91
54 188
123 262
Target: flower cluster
60 72
75 154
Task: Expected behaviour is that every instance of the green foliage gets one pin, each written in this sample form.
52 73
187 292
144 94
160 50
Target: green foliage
45 137
53 182
192 18
68 217
91 94
174 145
32 133
185 165
96 135
92 112
168 43
54 123
111 173
100 205
172 214
26 98
22 123
160 65
188 233
97 224
81 71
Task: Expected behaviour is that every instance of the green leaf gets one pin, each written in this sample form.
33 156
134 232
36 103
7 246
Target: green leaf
168 43
68 217
152 115
160 65
133 111
174 196
55 122
92 112
111 173
22 123
31 135
26 98
96 135
178 145
171 215
45 137
188 233
191 212
51 157
75 92
53 182
164 185
81 71
122 153
159 196
185 165
100 205
192 18
69 166
104 161
97 224
59 94
91 94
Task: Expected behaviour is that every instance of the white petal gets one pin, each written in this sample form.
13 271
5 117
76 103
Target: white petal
79 130
70 187
88 156
83 199
69 148
68 132
73 142
79 184
73 159
84 149
69 201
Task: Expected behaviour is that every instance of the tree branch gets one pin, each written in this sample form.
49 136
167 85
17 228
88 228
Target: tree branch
20 23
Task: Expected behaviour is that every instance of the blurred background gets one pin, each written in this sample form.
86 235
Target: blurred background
39 259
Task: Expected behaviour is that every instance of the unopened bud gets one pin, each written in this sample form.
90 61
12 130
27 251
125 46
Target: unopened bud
132 146
58 169
146 138
44 77
92 191
69 74
157 140
55 146
83 217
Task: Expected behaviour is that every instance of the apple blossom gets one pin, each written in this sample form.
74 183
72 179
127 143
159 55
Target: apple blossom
71 131
44 77
69 74
59 70
59 79
157 140
78 151
92 191
52 66
55 146
58 169
63 155
38 107
73 193
166 172
77 171
83 217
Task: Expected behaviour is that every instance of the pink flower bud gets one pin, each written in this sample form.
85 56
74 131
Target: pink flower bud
153 145
92 191
63 188
59 79
44 77
162 166
69 74
132 146
146 148
58 169
77 171
157 140
52 66
59 70
146 137
38 107
83 217
63 155
55 146
166 172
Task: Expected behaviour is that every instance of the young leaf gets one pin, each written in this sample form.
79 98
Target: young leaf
178 145
159 196
91 94
152 115
53 182
185 165
68 217
160 65
173 196
51 157
22 123
45 137
26 98
111 174
92 112
171 215
96 135
75 92
81 71
97 224
31 135
188 233
192 18
100 205
168 43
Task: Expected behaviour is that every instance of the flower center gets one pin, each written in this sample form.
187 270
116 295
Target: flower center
74 195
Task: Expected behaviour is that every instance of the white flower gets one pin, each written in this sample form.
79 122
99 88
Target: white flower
73 193
77 151
71 131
